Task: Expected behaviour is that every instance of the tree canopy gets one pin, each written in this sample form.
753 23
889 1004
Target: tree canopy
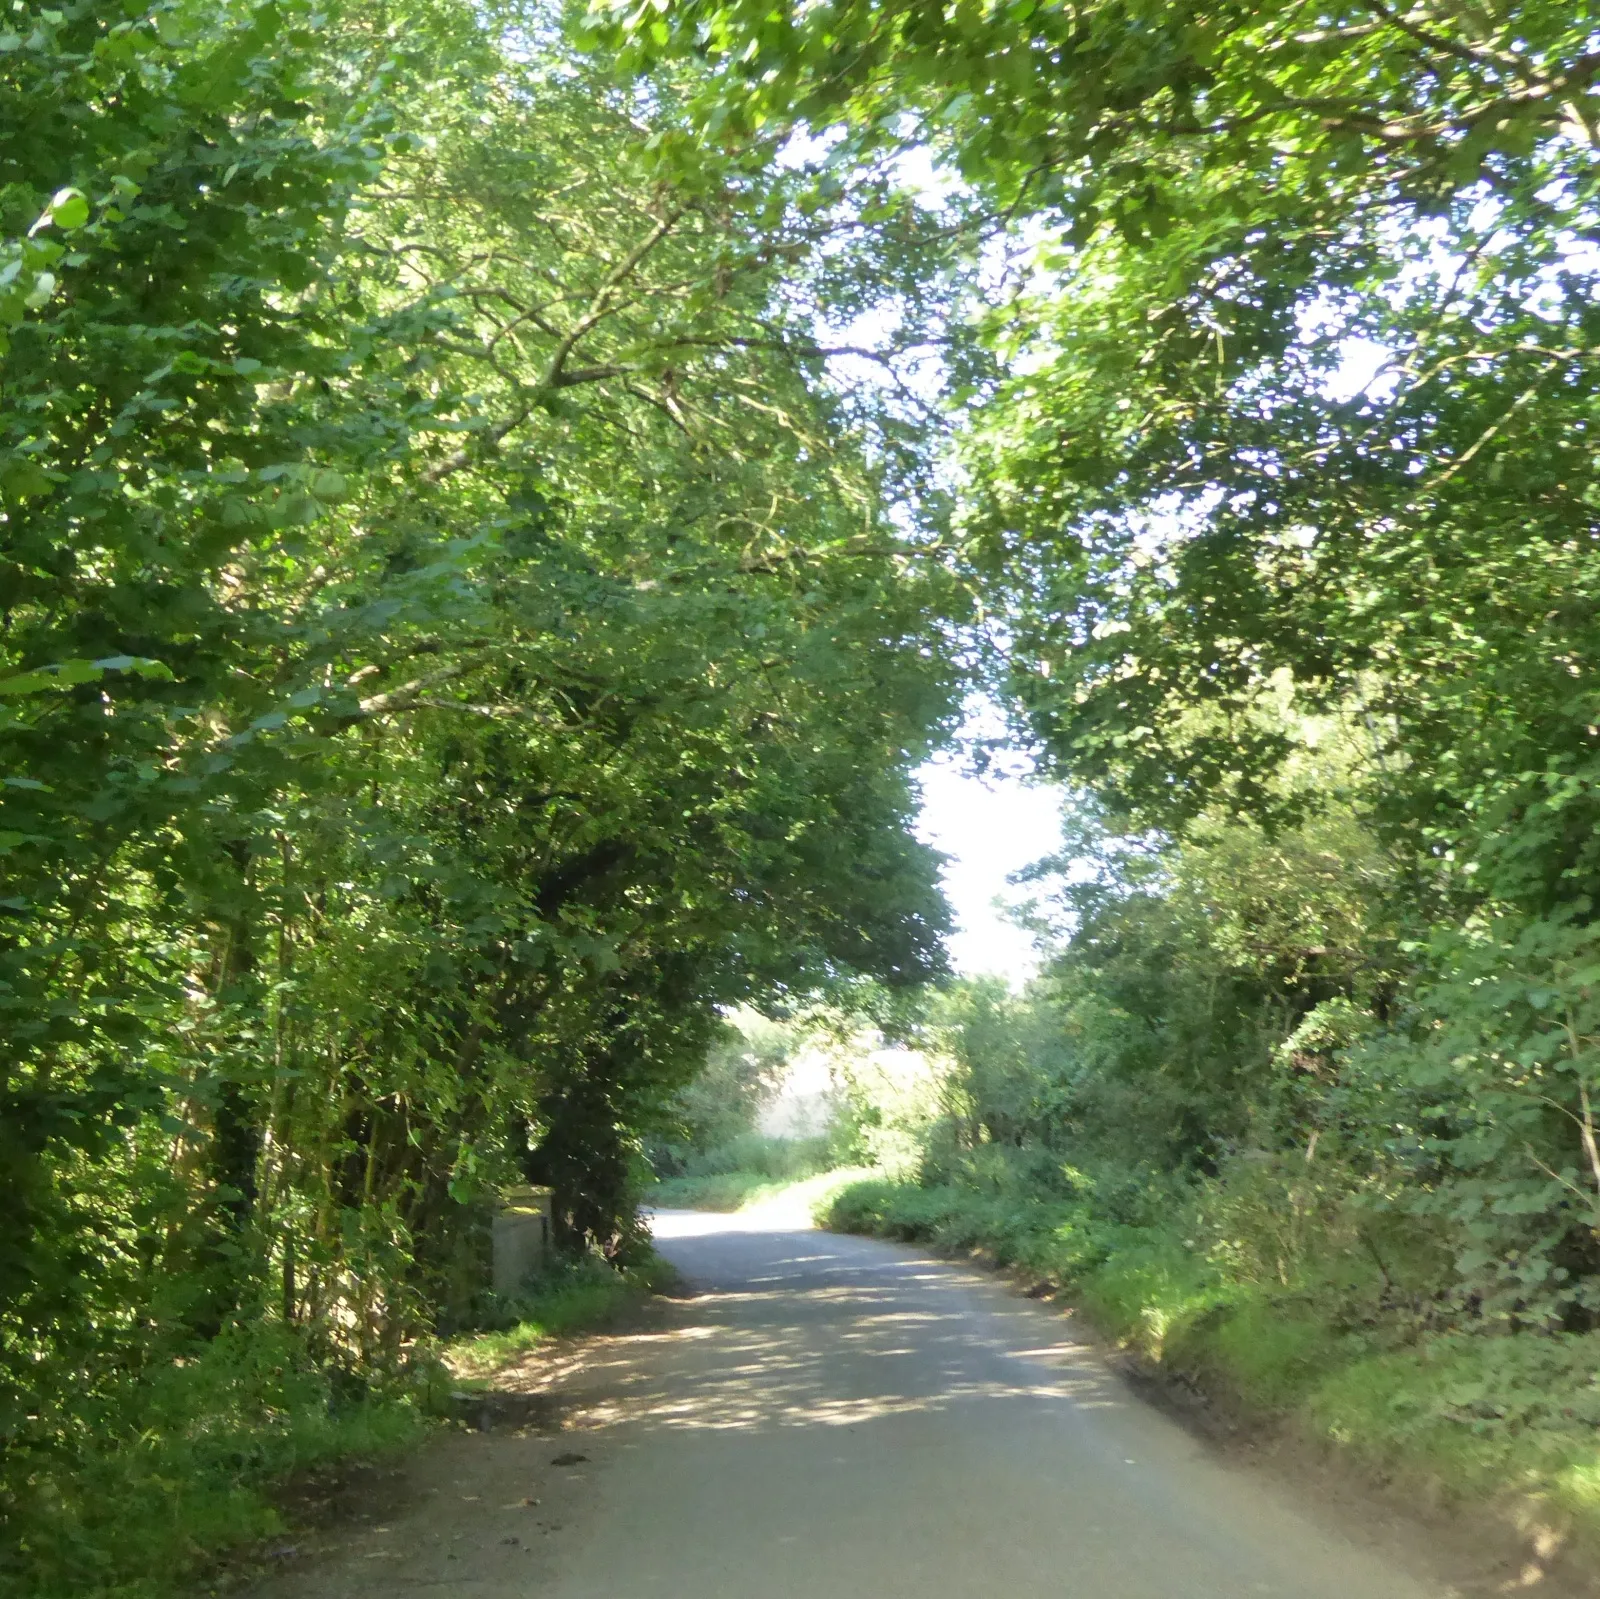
1281 489
457 642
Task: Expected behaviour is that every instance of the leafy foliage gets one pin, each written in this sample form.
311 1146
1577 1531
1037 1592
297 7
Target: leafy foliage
1282 486
717 1112
482 550
456 642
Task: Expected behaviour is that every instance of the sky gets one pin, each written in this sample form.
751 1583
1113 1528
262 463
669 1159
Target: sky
990 827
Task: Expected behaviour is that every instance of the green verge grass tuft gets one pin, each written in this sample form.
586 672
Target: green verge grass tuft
585 1297
725 1190
739 1190
184 1466
1478 1416
741 1171
180 1466
1469 1418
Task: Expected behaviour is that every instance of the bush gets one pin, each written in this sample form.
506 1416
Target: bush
717 1111
776 1159
721 1191
170 1469
740 1171
752 1169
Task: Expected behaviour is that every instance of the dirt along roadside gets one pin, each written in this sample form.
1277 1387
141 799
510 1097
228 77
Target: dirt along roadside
834 1417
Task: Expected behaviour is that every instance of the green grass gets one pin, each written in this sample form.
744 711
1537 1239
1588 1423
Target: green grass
184 1466
1479 1417
1512 1422
741 1172
181 1467
725 1190
584 1298
731 1191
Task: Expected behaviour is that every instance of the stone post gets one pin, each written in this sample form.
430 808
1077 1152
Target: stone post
521 1238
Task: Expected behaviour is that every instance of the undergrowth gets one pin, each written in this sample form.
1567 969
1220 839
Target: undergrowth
731 1191
179 1465
1464 1416
183 1464
740 1170
585 1297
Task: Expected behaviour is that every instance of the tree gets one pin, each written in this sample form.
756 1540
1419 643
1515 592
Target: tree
1292 441
457 642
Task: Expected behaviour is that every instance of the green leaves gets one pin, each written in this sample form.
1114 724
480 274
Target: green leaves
66 674
27 282
68 209
1281 488
455 645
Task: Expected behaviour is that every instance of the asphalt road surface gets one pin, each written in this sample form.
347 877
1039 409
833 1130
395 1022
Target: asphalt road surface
839 1418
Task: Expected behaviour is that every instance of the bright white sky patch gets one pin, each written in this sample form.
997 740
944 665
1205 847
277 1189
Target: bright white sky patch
990 827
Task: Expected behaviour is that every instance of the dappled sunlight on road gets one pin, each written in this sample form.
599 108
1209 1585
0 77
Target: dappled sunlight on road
828 1417
761 1345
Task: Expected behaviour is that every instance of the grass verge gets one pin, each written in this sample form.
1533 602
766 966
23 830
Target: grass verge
583 1298
741 1171
182 1467
739 1190
1507 1421
723 1190
189 1464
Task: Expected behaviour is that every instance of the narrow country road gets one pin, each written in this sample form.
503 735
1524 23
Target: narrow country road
838 1418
